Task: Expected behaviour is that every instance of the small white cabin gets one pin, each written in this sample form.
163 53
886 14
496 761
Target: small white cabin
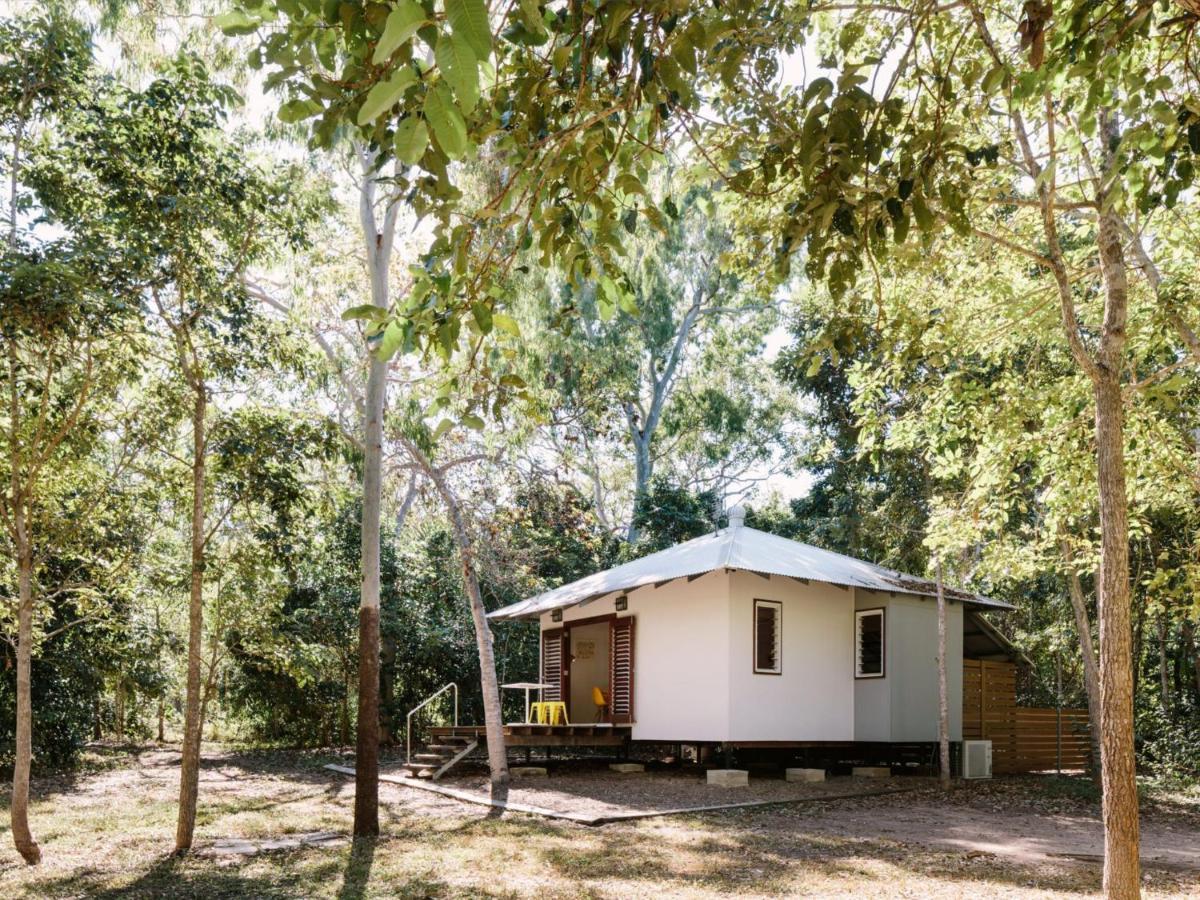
745 638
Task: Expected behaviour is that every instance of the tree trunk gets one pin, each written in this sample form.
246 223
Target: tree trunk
189 776
493 718
1119 775
377 242
162 714
366 759
1189 643
23 757
943 693
643 468
1164 677
1091 673
119 709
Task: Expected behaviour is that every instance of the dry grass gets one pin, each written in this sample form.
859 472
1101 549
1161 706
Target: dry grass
108 834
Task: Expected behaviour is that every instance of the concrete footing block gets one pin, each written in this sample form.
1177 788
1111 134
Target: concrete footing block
626 768
804 774
871 772
528 771
729 777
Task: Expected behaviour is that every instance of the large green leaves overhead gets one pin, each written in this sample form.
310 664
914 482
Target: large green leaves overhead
412 137
402 23
447 122
457 63
385 95
469 18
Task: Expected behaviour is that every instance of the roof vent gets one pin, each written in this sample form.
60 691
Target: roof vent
737 516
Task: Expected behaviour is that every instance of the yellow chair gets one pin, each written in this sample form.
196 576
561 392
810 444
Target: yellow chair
601 704
537 714
555 709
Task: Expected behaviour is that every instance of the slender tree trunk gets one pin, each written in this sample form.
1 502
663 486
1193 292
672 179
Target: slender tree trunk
23 838
1122 878
189 775
378 245
943 693
643 469
1189 643
1091 673
119 709
1164 677
366 759
493 718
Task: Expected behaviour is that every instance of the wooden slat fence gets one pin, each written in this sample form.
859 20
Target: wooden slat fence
1023 739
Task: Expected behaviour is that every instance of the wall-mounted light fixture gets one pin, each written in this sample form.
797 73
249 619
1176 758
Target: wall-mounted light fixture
622 603
556 615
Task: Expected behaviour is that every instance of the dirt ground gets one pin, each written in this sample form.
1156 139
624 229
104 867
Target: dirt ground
107 833
1013 817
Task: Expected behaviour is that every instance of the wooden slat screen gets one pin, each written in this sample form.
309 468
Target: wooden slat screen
621 670
552 664
1023 739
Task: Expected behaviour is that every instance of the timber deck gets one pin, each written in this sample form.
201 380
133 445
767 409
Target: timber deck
523 735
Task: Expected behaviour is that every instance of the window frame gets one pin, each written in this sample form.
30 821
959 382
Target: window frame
859 615
777 606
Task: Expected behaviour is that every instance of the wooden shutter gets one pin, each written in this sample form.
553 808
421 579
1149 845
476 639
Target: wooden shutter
552 642
620 674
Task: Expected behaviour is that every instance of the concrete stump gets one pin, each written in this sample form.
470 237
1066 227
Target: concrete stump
528 771
871 772
804 774
626 768
729 777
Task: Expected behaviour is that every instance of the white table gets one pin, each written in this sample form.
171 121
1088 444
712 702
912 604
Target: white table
527 686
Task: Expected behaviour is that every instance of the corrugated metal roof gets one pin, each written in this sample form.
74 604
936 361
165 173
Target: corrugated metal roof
736 547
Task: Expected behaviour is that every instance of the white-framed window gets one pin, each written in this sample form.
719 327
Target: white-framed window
768 637
868 643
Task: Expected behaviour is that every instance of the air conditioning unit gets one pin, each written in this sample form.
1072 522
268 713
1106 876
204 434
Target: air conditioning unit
977 759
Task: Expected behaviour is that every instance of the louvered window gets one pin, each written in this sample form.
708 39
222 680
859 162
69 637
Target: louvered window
621 670
768 637
552 642
868 643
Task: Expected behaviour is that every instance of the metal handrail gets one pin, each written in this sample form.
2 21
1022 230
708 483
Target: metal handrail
422 705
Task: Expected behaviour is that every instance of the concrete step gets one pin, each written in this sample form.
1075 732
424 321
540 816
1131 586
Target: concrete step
437 758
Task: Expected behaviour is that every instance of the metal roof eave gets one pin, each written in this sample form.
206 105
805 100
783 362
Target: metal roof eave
531 609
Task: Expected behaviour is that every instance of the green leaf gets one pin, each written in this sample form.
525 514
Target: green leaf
412 137
365 311
385 95
442 427
402 24
457 61
469 18
393 339
447 122
298 110
483 316
506 323
236 21
473 422
630 184
922 212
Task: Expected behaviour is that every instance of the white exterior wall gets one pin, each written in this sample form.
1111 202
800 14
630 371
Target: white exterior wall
912 669
813 697
694 675
873 696
681 659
